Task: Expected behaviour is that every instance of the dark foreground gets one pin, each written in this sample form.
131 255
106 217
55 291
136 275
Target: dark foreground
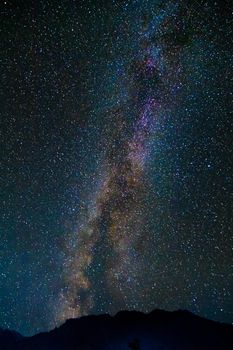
158 330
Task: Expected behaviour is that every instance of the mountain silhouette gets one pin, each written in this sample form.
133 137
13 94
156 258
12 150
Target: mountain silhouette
157 330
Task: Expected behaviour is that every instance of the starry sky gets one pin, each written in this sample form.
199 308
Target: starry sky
116 159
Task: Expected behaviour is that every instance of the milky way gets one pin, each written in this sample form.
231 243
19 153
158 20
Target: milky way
110 254
116 160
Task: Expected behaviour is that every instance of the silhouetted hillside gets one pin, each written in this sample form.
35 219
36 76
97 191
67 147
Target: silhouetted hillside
158 330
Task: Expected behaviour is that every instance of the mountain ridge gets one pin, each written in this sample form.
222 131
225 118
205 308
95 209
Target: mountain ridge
158 329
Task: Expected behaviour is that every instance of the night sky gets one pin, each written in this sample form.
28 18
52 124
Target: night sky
116 159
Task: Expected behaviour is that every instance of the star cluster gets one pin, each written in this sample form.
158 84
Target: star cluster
116 160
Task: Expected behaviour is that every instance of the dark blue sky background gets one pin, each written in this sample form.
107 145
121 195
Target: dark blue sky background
77 77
